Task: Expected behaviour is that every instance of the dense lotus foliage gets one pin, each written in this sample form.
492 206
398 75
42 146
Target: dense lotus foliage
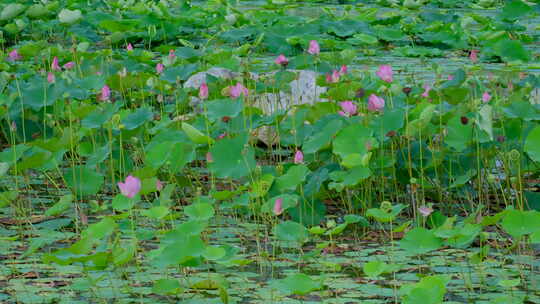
273 151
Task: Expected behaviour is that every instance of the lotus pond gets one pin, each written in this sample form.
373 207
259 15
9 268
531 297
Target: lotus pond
270 152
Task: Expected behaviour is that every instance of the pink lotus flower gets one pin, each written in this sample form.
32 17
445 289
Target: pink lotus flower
375 103
209 157
333 78
328 78
222 136
281 60
385 73
278 206
486 97
203 91
343 70
54 65
159 185
159 68
131 187
172 55
348 108
473 56
14 55
314 48
450 77
50 77
129 47
425 211
298 157
237 90
427 88
69 65
105 93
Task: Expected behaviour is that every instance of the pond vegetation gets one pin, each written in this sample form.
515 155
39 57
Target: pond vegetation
270 152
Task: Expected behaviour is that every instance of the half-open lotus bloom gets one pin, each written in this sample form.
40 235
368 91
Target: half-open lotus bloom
209 157
473 56
385 73
314 48
343 70
427 88
348 108
203 91
298 157
69 65
328 78
129 47
375 103
105 93
236 90
131 187
159 185
425 211
14 55
278 206
172 55
54 65
281 60
334 77
159 68
450 77
486 97
50 77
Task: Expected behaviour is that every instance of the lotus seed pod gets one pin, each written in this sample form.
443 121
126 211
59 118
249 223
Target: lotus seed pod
407 90
115 120
279 169
386 206
151 82
231 18
331 224
225 91
514 155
